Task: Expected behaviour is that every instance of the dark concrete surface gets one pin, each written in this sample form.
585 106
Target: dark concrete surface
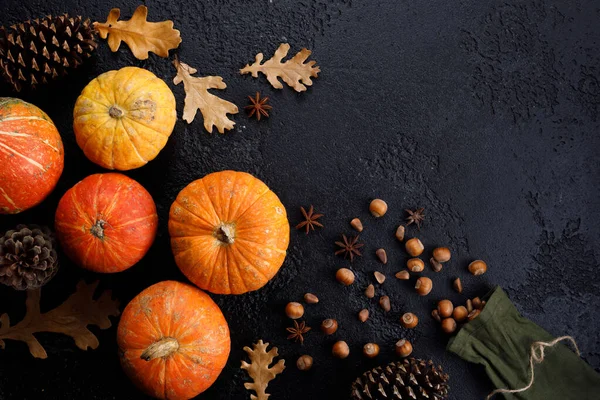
484 112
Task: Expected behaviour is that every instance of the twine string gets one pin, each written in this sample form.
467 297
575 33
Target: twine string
537 356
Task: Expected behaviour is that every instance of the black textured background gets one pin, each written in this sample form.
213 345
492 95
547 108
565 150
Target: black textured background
484 112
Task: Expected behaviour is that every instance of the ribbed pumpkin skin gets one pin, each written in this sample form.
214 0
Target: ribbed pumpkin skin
31 155
123 119
173 310
106 222
247 208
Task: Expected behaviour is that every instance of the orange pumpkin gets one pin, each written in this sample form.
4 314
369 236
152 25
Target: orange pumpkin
122 119
106 222
229 232
173 341
31 155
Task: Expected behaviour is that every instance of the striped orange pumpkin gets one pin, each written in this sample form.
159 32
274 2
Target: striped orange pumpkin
229 232
106 222
31 155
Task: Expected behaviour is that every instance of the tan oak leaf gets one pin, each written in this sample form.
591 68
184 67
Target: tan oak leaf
259 369
140 35
214 109
295 72
70 318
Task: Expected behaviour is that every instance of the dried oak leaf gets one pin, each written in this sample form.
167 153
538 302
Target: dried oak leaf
70 318
259 369
140 35
214 109
294 71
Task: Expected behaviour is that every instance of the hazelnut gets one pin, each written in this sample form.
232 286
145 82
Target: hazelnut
477 267
381 255
378 208
379 277
441 254
403 348
473 314
340 349
445 308
460 313
329 326
436 315
356 224
469 305
311 298
448 325
370 291
363 315
414 247
435 265
294 310
423 286
477 303
415 265
345 276
304 362
384 302
457 284
403 275
371 350
409 320
400 233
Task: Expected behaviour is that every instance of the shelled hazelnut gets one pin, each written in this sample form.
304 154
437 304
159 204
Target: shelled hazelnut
370 291
384 302
460 313
363 315
379 277
311 298
403 275
403 348
423 286
378 208
357 224
477 303
345 276
294 310
415 265
329 326
409 320
414 247
304 362
441 254
448 325
371 350
381 255
445 308
478 267
400 233
340 349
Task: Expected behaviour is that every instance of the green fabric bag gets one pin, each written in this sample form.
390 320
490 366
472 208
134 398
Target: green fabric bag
500 339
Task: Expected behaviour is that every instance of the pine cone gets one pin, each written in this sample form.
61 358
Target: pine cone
409 379
38 51
28 257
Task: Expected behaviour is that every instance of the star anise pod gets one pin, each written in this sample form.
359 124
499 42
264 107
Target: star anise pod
349 247
297 331
310 219
416 217
258 107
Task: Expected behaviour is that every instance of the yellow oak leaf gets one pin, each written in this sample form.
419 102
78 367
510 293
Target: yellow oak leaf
294 71
259 369
140 35
214 109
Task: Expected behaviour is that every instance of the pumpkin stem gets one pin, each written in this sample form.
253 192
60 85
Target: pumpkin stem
225 234
161 349
115 112
98 229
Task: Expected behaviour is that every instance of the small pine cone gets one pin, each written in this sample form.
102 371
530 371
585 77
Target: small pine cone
28 257
411 378
35 52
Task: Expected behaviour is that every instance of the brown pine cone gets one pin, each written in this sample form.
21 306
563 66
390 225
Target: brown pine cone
28 258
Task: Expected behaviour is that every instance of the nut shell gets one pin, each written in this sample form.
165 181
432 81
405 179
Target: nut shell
414 247
378 208
340 349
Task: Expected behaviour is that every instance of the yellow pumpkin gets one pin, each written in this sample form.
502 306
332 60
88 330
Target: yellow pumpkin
123 119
